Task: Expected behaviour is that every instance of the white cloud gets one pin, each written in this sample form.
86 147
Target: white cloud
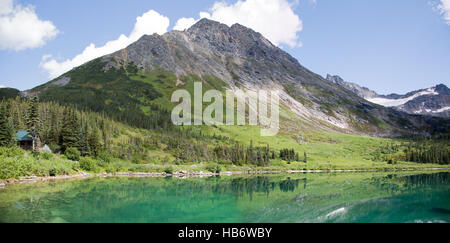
149 23
275 19
1 86
184 23
444 9
21 28
6 6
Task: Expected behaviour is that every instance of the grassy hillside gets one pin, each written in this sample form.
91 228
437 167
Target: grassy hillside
124 148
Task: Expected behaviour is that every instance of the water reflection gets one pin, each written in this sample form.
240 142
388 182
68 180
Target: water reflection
268 198
261 184
397 183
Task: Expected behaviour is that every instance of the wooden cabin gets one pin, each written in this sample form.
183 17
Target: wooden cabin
27 141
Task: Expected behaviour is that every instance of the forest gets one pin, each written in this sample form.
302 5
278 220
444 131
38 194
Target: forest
80 135
423 150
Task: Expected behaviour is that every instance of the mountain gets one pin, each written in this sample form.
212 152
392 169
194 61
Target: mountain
434 101
135 84
362 92
6 93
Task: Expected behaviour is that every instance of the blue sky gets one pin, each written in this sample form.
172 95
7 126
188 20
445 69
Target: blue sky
388 46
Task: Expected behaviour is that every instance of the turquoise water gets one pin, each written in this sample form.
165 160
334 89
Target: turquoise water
327 197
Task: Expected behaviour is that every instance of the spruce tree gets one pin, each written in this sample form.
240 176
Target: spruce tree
6 130
33 120
53 132
260 160
83 143
70 130
250 153
94 141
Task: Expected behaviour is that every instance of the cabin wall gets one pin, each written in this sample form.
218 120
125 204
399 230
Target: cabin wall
27 145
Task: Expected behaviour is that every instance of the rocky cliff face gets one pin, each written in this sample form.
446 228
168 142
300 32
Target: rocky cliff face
242 58
434 101
358 90
234 54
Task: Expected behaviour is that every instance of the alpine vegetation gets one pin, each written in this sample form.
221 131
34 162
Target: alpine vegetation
213 114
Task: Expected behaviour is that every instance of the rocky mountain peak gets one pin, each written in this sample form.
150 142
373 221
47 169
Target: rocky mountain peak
235 54
206 25
442 89
234 40
362 92
334 79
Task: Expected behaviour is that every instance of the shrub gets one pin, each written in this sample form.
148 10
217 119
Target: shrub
15 167
105 157
51 168
52 171
54 147
135 160
168 170
11 151
111 169
214 168
72 154
46 155
88 164
141 168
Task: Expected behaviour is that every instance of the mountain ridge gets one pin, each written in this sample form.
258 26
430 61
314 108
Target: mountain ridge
224 57
434 101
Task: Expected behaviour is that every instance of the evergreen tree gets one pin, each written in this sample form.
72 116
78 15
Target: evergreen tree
260 158
83 143
250 154
266 155
53 132
6 130
94 141
70 130
33 121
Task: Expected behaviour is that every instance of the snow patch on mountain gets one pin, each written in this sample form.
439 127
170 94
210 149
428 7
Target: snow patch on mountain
434 101
397 102
442 109
438 110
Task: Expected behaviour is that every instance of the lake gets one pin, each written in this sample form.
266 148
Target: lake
309 197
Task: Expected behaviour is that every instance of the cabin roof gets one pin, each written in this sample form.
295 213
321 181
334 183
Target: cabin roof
23 135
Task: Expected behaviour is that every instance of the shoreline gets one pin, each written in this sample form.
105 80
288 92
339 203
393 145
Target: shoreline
185 174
